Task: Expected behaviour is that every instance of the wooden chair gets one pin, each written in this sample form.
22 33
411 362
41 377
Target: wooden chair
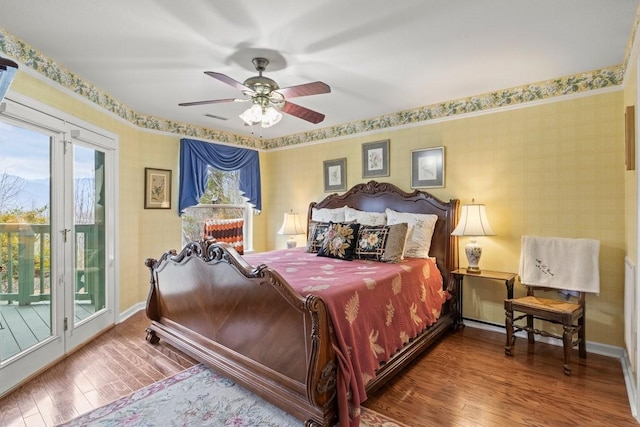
566 313
552 264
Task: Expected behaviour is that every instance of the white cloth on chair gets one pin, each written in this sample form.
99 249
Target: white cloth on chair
562 263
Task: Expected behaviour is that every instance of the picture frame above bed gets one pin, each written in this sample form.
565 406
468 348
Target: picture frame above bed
335 175
427 168
157 188
375 159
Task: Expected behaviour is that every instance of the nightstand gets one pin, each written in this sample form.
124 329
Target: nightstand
487 275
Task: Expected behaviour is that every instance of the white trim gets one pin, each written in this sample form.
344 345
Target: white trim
592 347
627 373
131 311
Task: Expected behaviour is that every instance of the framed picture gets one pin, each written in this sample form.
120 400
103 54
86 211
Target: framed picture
335 175
427 168
375 159
630 138
157 188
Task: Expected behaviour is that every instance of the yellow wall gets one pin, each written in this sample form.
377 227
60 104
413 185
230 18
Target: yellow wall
551 169
555 169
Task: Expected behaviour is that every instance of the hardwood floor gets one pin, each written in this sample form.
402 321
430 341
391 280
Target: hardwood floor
465 380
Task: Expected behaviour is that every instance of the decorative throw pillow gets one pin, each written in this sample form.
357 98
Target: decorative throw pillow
340 241
381 242
364 217
316 234
419 234
328 215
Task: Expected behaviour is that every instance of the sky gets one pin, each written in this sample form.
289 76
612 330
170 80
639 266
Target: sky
25 153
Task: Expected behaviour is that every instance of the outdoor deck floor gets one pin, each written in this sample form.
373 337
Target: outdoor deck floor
23 326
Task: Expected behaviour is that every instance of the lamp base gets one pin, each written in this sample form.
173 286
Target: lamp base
473 252
291 243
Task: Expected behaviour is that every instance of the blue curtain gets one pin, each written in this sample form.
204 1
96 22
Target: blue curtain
196 156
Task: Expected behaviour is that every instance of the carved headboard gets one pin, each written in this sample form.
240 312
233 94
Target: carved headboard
377 196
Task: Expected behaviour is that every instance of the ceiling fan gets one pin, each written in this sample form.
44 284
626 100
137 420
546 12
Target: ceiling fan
267 98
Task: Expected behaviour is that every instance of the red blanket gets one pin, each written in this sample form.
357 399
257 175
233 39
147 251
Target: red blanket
375 308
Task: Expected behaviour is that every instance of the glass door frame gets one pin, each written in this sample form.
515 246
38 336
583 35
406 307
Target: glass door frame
22 111
78 333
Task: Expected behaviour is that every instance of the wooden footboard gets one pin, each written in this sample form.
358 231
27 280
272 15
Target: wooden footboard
248 324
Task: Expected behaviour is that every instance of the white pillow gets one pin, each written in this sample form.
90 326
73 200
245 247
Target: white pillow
363 217
420 231
328 215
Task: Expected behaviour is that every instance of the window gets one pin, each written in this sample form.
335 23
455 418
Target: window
222 199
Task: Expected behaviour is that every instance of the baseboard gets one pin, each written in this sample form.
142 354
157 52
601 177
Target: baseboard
131 311
629 380
592 347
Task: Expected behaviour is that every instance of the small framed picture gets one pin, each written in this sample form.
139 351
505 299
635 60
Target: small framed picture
335 175
375 159
427 168
157 188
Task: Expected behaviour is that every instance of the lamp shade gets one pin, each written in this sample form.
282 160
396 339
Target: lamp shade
290 227
473 222
8 71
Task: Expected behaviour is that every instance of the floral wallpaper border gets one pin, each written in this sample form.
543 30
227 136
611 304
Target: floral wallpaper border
587 81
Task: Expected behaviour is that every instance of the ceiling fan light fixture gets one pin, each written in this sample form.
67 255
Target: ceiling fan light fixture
252 115
270 117
265 116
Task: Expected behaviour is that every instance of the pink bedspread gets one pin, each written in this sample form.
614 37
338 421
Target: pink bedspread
375 308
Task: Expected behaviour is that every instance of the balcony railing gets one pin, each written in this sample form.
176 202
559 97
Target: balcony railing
25 263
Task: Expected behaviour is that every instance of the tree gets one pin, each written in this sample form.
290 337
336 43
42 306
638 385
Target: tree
85 199
223 188
10 188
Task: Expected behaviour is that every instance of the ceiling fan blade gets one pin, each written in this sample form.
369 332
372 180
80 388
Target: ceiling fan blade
302 112
306 89
228 80
211 101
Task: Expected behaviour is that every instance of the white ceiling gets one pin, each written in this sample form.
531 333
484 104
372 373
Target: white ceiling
378 56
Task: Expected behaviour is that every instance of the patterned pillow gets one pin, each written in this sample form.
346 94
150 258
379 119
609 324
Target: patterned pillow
363 217
381 242
340 241
420 231
317 229
326 214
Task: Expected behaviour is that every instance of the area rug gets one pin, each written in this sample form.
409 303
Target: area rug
199 396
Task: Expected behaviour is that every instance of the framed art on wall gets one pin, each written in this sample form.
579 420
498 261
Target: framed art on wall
427 168
157 188
630 138
375 159
335 175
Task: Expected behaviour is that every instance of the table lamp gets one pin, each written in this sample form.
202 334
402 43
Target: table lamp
473 223
290 227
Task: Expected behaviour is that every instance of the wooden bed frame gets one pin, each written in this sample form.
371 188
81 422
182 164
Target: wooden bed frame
249 324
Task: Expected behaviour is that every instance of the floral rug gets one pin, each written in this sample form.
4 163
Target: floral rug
199 396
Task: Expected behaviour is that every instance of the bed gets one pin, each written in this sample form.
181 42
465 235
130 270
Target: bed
244 318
